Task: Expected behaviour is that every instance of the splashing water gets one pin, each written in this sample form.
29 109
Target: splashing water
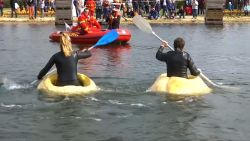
11 85
10 105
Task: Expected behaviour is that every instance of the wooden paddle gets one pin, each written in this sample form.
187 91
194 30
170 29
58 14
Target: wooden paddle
143 25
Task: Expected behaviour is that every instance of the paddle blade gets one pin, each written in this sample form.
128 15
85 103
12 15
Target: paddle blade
107 38
67 27
142 24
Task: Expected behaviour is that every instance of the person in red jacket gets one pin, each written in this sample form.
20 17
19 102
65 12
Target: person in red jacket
91 5
94 24
83 25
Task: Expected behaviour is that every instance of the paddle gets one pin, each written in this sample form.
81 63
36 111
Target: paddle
143 25
67 27
104 40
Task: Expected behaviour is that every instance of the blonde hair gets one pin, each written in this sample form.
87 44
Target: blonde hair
65 45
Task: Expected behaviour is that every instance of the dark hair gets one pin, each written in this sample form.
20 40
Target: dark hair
179 43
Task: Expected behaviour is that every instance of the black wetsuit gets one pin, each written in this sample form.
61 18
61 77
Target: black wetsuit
177 63
66 67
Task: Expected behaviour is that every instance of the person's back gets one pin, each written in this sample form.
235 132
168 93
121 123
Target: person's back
66 63
66 67
178 61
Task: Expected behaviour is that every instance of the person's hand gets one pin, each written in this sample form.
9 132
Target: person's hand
84 50
164 43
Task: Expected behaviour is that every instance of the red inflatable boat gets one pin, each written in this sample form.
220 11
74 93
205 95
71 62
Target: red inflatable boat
91 37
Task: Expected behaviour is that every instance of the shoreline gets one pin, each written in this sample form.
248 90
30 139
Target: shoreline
187 20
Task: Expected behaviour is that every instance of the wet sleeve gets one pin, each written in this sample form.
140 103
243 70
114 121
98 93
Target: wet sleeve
192 68
160 55
84 54
48 66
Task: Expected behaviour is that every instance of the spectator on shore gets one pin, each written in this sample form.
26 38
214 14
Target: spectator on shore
240 6
129 5
77 7
35 9
246 9
164 8
135 6
52 5
153 15
201 7
146 5
106 8
98 9
130 13
195 8
181 12
1 7
13 4
171 9
230 7
42 6
31 8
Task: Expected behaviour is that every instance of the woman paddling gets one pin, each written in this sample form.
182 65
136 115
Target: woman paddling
178 61
66 63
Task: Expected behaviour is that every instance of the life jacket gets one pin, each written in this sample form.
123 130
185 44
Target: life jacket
82 22
93 23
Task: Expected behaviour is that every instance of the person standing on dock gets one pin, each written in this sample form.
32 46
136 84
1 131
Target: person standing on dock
195 8
31 4
35 9
13 4
178 61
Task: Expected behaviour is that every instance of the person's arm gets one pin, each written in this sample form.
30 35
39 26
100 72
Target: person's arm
192 68
83 54
48 66
160 55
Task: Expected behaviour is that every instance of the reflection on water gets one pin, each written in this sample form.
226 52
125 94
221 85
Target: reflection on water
114 57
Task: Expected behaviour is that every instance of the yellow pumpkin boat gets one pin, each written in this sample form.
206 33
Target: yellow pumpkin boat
193 86
47 85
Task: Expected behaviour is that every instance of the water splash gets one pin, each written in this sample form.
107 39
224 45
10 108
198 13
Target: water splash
138 105
116 102
93 99
12 85
10 105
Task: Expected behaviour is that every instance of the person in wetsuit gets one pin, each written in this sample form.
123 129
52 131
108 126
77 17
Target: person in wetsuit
66 63
178 61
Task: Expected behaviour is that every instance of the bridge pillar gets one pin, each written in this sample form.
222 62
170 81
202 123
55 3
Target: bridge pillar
63 12
214 12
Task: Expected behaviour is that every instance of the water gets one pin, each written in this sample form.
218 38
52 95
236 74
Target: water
123 110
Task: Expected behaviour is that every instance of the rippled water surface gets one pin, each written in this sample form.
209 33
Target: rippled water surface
123 110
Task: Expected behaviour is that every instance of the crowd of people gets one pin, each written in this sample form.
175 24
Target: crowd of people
153 9
32 7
